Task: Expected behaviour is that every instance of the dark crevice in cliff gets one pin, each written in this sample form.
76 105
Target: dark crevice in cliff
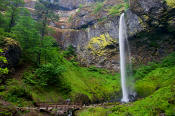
86 25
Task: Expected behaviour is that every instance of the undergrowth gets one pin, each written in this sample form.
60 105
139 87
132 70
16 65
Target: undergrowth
155 86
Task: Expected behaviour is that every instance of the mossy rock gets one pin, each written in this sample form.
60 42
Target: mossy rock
171 3
98 44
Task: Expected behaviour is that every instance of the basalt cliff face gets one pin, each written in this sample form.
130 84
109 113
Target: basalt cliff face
93 30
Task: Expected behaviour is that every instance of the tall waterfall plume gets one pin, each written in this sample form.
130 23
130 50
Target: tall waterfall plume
125 62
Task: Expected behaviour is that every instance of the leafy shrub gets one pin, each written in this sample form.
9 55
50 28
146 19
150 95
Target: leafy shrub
70 51
29 78
16 92
46 75
3 60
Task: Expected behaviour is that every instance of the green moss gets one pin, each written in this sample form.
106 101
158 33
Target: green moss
171 3
155 82
97 44
157 103
97 85
145 88
98 111
116 9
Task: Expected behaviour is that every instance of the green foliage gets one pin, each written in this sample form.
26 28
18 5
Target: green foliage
28 35
168 61
157 103
48 75
170 3
81 6
157 86
145 88
3 36
16 93
144 70
3 21
45 13
70 19
157 82
13 8
98 111
70 51
7 110
116 9
3 60
94 83
98 6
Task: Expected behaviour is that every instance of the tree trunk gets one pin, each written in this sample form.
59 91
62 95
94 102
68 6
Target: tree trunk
12 20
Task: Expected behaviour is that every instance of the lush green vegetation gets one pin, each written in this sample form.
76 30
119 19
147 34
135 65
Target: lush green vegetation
98 111
98 6
3 60
171 3
51 75
83 85
117 9
155 82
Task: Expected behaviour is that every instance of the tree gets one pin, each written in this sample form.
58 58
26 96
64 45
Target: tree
3 5
45 14
27 34
3 20
13 7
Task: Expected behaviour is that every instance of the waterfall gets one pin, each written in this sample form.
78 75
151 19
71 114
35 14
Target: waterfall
124 57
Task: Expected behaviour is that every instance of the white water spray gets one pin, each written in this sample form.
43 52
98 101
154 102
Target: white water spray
123 45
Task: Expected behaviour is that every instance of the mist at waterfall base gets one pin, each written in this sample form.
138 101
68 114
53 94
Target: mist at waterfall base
127 82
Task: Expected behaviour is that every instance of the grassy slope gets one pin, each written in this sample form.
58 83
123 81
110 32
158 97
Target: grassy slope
94 84
156 85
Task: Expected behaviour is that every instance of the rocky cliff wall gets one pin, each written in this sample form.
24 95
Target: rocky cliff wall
73 4
95 36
